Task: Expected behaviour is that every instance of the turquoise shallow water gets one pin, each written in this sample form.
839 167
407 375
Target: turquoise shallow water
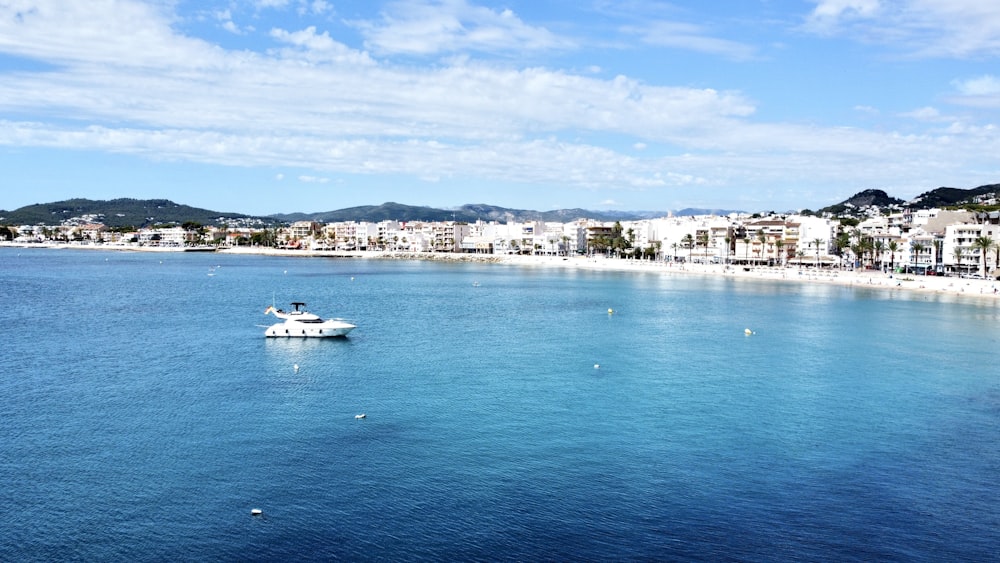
144 415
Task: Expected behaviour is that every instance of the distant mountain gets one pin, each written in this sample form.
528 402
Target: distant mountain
861 200
691 212
945 197
125 212
937 198
468 213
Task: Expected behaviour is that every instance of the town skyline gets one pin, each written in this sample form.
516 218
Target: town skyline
136 212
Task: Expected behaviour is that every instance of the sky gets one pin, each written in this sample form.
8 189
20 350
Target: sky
281 106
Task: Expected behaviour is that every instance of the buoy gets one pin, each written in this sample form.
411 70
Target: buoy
360 416
296 368
611 311
256 512
597 366
747 331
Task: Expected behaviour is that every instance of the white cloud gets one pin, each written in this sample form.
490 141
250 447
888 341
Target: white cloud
691 38
123 81
225 18
123 34
270 4
318 47
919 28
923 114
317 7
832 14
313 179
982 92
981 86
431 27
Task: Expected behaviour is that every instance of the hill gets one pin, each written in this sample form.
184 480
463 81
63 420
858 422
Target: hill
469 213
947 197
127 212
860 202
124 212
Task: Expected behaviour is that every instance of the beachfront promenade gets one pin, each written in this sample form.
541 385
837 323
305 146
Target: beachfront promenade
940 285
931 285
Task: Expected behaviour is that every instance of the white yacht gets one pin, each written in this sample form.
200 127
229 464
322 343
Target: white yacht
301 324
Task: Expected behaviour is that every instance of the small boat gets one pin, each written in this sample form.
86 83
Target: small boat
301 324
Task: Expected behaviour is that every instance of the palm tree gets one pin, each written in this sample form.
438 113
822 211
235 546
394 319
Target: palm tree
780 244
763 239
840 242
996 256
859 248
893 247
938 252
879 252
816 242
746 249
859 252
673 256
958 259
689 243
916 248
984 244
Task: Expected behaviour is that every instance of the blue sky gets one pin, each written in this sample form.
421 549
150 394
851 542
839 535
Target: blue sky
275 106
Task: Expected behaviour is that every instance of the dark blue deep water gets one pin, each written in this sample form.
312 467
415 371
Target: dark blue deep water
143 415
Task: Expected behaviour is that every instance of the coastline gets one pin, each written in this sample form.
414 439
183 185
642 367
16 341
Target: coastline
982 290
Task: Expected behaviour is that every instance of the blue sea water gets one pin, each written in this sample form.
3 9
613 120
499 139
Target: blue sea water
509 416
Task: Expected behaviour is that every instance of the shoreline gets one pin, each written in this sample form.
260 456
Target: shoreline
980 290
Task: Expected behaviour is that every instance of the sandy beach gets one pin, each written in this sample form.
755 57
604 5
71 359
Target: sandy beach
939 287
930 285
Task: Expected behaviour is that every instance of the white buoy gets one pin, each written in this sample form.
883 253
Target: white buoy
256 512
747 331
360 416
611 311
295 367
597 366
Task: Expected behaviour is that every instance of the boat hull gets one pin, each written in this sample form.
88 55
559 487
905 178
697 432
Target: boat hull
301 330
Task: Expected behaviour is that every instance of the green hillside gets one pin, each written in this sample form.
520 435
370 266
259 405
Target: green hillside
124 212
